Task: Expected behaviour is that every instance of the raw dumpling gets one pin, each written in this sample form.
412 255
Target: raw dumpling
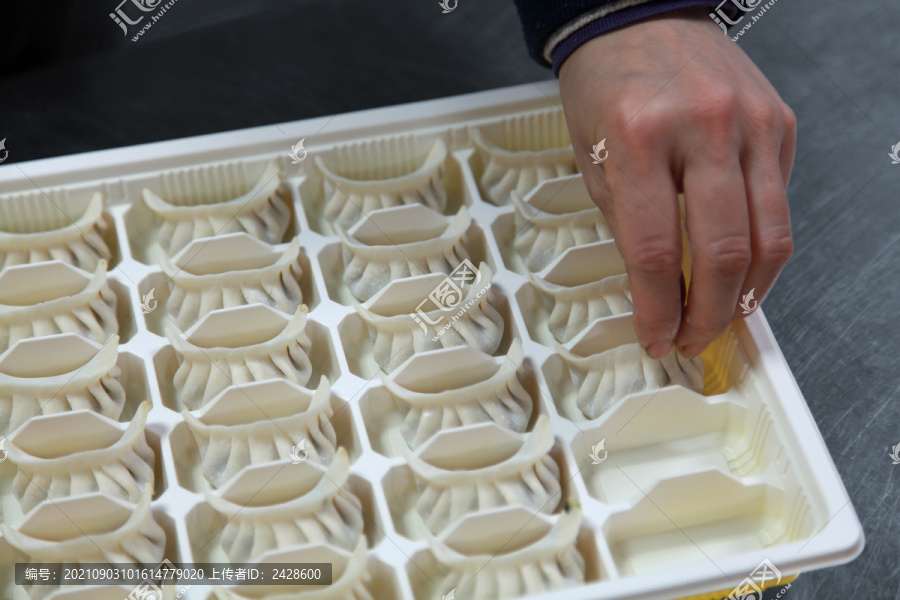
428 312
522 152
231 270
70 454
510 553
557 215
586 283
606 364
281 505
350 577
483 467
263 213
86 529
357 181
261 422
394 243
72 373
239 345
102 591
604 378
53 297
457 387
575 307
36 229
92 528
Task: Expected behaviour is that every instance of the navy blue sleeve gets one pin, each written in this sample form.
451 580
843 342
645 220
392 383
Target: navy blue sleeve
555 28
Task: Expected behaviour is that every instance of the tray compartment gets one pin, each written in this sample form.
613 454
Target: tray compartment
584 284
281 505
556 215
53 297
69 454
189 204
234 270
89 528
606 363
457 387
484 467
404 241
532 555
252 424
354 578
360 345
429 312
519 152
217 528
706 514
676 431
412 258
239 345
73 373
352 180
69 227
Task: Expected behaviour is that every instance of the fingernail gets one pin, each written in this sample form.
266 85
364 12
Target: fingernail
692 350
658 349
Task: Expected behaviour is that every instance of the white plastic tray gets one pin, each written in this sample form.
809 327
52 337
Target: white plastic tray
695 490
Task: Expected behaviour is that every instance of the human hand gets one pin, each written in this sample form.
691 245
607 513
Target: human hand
684 110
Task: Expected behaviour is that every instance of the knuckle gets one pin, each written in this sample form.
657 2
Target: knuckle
789 118
654 257
775 246
718 105
731 255
639 133
640 127
618 116
764 113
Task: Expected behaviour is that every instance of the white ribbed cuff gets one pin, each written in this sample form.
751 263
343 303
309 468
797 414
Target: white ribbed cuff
574 25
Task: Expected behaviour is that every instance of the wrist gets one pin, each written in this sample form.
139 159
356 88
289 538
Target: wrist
574 35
